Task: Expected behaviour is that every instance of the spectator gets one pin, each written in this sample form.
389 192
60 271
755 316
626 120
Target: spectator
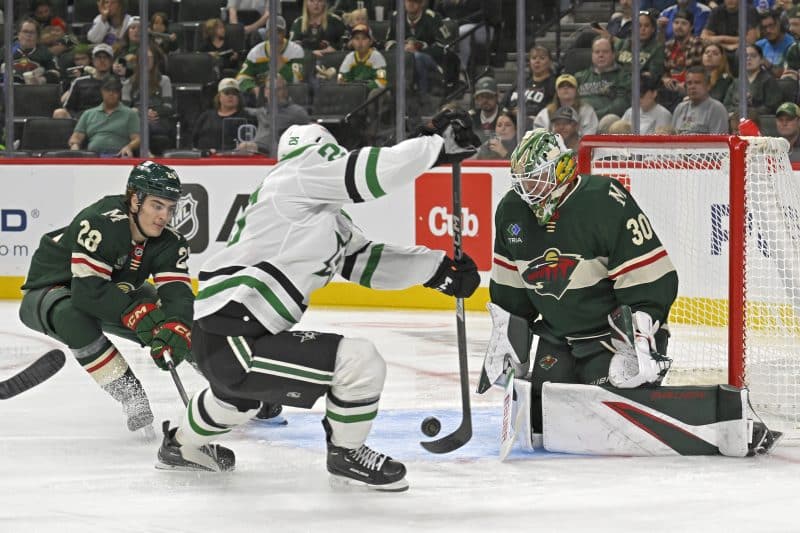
541 86
258 8
620 24
763 92
84 93
216 43
73 66
289 113
565 123
502 143
256 65
604 86
469 14
620 127
110 24
699 113
775 42
228 104
166 40
787 122
567 95
317 30
792 17
128 45
699 13
160 121
43 14
651 52
715 62
484 114
57 43
422 29
355 17
722 27
652 115
112 128
33 62
684 50
364 63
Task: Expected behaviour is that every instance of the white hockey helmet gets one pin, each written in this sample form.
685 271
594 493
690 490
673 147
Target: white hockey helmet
299 135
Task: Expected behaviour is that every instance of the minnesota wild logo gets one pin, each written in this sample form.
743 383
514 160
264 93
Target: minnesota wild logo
549 274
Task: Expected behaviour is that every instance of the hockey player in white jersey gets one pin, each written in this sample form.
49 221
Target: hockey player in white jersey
291 240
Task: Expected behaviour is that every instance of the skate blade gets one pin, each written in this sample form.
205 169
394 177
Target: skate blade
274 421
345 483
186 468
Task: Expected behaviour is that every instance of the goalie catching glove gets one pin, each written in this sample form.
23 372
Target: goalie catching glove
455 278
144 318
174 337
455 127
636 360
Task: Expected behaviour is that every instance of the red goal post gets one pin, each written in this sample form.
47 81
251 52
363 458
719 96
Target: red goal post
727 209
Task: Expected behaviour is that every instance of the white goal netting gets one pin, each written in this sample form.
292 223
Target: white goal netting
728 211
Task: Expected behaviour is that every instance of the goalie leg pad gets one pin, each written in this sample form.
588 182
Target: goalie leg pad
595 420
509 345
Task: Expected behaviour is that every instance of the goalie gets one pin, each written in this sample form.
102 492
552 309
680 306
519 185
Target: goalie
577 263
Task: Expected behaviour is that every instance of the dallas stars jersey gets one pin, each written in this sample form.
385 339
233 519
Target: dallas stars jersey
256 65
96 257
370 68
293 236
598 251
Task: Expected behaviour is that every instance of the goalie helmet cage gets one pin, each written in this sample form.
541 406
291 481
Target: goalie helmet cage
727 209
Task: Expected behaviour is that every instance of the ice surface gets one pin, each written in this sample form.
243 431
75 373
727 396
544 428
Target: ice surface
68 463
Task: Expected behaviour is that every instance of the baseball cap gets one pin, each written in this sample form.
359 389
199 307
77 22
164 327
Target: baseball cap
361 28
684 14
103 47
112 83
485 85
227 83
281 23
566 113
788 108
567 78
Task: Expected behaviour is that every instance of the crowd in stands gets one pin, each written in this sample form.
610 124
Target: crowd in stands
688 55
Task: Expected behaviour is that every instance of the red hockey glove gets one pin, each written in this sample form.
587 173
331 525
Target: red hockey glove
144 318
175 337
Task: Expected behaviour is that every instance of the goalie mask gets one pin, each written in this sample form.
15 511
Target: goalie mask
541 169
300 135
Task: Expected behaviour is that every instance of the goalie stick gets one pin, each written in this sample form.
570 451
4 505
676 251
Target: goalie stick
463 433
41 369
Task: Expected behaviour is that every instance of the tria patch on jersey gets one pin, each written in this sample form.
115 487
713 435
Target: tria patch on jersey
514 233
549 274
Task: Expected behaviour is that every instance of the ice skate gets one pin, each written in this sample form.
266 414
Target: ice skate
210 458
764 439
367 468
270 414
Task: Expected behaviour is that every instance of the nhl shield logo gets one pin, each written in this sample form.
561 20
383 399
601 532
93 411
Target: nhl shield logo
549 274
185 219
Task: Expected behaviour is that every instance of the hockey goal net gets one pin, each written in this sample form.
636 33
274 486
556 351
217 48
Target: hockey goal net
727 209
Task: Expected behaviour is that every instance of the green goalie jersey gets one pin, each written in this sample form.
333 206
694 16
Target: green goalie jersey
597 252
96 257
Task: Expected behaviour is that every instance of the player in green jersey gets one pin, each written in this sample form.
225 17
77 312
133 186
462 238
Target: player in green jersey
578 264
90 278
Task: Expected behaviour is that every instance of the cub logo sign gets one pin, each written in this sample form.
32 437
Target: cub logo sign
433 199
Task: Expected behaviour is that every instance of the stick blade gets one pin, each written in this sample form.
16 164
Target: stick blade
42 369
450 442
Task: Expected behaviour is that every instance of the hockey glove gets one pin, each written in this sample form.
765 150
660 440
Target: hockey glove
175 337
636 361
455 278
455 127
144 318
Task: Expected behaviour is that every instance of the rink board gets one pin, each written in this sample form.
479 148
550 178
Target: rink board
45 197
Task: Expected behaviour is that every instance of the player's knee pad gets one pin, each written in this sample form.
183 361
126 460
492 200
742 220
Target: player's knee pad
360 370
37 304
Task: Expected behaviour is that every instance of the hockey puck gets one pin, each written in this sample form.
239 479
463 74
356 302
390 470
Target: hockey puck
431 426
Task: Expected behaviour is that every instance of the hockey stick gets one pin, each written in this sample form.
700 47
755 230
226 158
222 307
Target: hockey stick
175 377
463 433
41 369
